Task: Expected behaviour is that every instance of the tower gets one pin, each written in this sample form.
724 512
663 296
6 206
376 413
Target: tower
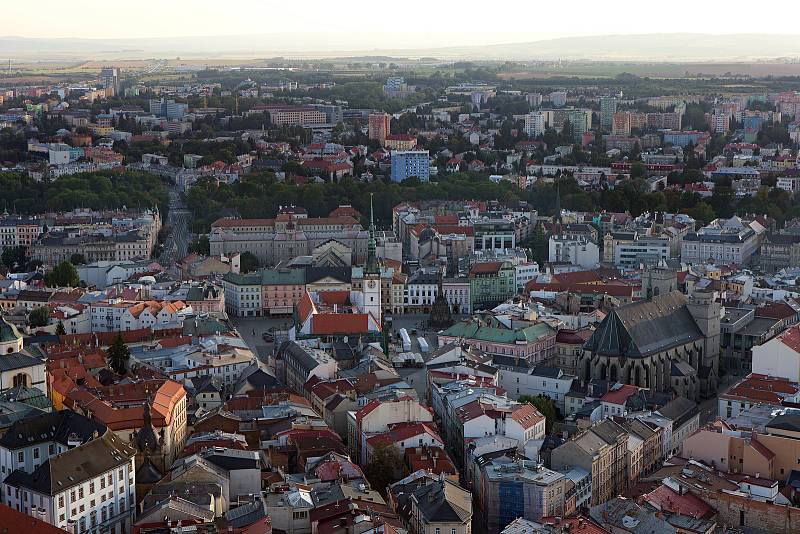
707 314
372 273
659 280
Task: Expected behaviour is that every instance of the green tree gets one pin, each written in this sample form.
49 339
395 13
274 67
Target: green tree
546 407
13 257
248 262
63 275
39 316
383 467
117 355
60 330
201 245
77 259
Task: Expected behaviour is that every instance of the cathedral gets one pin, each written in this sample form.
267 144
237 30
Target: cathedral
667 342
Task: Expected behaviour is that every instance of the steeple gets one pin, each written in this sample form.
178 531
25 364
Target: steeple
371 266
557 222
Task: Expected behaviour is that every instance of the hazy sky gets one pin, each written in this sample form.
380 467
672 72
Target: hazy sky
475 21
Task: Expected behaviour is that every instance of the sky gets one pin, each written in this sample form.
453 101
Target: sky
405 24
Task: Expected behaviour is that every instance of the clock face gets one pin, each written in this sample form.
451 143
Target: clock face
371 284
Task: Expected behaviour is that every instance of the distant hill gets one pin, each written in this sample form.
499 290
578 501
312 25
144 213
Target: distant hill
644 47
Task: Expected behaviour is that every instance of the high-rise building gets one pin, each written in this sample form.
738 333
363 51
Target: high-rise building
608 106
621 123
110 78
534 123
408 163
580 121
379 125
167 108
558 98
534 99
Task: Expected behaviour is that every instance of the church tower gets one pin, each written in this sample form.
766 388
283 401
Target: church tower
372 273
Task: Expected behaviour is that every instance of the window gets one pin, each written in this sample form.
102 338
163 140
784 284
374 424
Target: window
72 495
21 456
60 501
80 492
438 530
91 487
36 452
51 450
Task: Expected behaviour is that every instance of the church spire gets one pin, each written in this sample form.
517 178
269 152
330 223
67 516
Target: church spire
371 266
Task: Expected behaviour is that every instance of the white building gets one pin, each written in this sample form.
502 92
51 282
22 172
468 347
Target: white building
723 240
647 251
550 381
780 356
85 489
524 273
575 250
535 124
243 294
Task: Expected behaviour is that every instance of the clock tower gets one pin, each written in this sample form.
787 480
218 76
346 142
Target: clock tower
372 274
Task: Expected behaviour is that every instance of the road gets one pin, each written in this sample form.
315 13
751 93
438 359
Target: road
177 244
709 407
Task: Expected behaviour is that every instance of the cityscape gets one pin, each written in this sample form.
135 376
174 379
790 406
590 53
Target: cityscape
276 284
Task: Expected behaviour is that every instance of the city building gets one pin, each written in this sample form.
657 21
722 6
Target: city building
379 127
410 163
723 240
82 489
601 450
608 107
491 283
167 108
641 343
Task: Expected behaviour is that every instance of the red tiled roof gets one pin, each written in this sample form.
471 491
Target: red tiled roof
340 298
791 338
485 268
619 395
777 310
667 500
340 323
527 416
403 431
762 449
13 522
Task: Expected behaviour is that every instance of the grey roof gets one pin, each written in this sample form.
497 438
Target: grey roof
75 466
646 327
54 426
786 422
246 514
679 410
18 360
438 503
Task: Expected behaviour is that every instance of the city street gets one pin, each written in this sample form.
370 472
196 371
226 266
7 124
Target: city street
176 245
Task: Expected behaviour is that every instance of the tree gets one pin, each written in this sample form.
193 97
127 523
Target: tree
546 407
248 262
63 275
77 259
60 330
383 467
201 246
39 316
117 355
13 257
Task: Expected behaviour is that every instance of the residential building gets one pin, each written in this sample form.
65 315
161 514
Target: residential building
608 107
83 489
167 108
601 450
410 163
491 283
575 250
529 342
440 507
725 241
510 489
535 124
379 127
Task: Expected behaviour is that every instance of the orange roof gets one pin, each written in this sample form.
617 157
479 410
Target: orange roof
619 395
340 323
305 307
485 268
527 416
791 338
340 298
17 522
